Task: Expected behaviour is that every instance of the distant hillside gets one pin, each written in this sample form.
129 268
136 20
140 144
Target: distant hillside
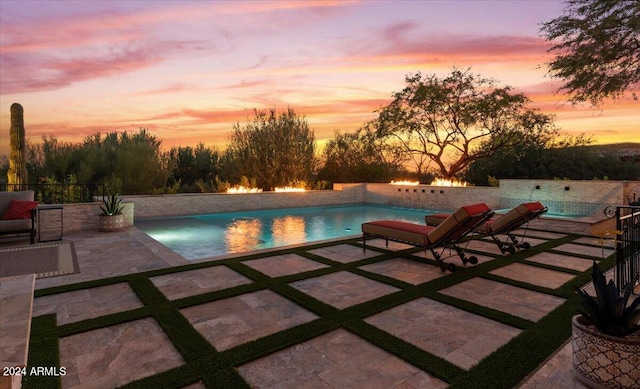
628 148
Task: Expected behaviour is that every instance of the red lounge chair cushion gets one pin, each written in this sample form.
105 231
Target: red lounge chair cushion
461 220
409 232
19 209
436 218
536 206
514 218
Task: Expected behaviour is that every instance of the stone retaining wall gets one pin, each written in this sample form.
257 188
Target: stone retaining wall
566 196
79 217
431 197
563 196
206 203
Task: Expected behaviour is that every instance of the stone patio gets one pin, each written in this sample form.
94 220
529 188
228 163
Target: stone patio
338 359
117 354
524 303
236 320
113 356
458 336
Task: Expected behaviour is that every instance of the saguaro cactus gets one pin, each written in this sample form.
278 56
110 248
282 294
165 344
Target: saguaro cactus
17 173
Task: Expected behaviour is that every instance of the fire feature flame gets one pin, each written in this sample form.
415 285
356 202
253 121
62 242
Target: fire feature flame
289 189
411 183
443 182
241 189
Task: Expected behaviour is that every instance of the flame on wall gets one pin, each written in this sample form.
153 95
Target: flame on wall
443 182
242 189
289 189
412 183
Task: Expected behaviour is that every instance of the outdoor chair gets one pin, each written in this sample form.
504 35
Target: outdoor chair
504 224
446 235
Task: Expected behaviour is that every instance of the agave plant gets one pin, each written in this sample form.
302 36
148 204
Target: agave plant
112 205
608 311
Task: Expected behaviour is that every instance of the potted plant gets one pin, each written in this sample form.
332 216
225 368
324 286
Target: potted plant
112 218
606 336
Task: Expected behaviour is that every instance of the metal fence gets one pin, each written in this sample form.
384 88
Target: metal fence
58 193
628 246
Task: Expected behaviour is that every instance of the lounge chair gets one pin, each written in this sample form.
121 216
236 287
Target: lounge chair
503 224
450 231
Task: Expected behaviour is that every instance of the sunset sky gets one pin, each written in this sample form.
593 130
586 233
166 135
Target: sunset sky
188 70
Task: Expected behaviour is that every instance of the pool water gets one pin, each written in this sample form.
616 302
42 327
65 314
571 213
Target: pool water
203 236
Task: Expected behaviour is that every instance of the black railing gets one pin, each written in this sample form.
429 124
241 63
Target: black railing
628 246
59 193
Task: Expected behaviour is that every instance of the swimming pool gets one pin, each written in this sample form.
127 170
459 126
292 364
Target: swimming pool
203 236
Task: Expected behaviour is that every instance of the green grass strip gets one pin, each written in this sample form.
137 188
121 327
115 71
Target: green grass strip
44 351
506 367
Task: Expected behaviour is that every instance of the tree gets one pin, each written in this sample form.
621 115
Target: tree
276 149
140 152
529 158
445 121
194 166
357 157
569 157
597 48
116 160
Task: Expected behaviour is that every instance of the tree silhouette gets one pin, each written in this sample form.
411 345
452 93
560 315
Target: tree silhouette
597 47
455 120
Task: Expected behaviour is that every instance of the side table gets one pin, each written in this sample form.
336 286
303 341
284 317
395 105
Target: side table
54 218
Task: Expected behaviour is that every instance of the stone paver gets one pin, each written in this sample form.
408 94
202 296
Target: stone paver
103 255
229 322
16 294
484 246
489 246
520 302
198 281
390 245
573 263
407 270
338 359
284 265
458 336
533 275
113 356
598 252
521 239
89 303
343 289
344 253
539 234
608 241
556 373
450 256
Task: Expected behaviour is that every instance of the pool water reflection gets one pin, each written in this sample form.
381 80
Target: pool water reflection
204 236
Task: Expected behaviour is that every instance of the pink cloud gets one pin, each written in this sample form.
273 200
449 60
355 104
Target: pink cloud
29 72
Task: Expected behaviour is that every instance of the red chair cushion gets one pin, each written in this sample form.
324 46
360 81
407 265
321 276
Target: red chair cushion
19 209
536 206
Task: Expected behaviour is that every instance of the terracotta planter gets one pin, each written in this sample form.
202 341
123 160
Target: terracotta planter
604 361
110 223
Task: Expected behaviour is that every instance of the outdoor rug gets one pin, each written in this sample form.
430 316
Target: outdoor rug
47 260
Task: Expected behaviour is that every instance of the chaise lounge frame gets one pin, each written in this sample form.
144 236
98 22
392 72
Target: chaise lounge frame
445 235
504 224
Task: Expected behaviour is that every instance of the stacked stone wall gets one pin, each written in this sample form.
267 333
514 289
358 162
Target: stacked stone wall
206 203
431 197
564 196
